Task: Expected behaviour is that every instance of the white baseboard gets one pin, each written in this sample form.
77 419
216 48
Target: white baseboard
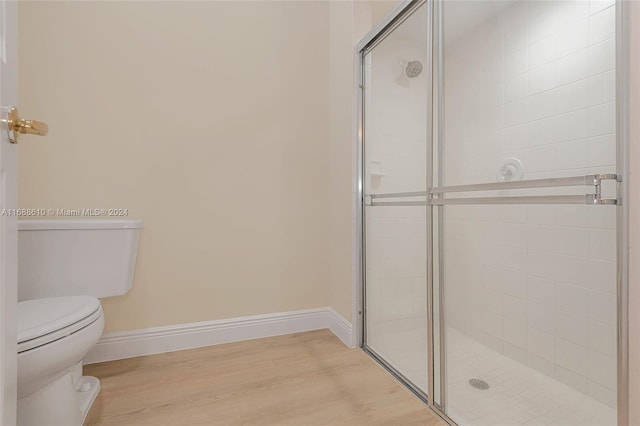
128 344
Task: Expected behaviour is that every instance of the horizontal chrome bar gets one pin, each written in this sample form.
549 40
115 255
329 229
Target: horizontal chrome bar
397 203
400 194
588 180
435 196
590 199
535 199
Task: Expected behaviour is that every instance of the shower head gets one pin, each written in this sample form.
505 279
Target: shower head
413 69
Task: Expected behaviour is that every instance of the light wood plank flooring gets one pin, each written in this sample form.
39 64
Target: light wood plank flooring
298 379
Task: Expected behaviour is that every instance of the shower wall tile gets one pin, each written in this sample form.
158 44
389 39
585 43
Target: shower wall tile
541 279
602 57
602 88
569 378
573 67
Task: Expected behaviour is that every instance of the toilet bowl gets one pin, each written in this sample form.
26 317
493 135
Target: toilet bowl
64 266
54 334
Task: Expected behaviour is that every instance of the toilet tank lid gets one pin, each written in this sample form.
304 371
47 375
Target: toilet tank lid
48 224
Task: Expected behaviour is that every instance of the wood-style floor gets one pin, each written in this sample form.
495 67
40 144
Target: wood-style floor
301 379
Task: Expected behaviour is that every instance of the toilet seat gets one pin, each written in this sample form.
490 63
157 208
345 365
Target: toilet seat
42 321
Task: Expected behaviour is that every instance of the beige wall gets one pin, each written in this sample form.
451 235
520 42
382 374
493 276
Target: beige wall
348 23
226 126
209 120
341 158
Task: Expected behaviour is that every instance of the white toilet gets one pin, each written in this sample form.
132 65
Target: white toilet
64 266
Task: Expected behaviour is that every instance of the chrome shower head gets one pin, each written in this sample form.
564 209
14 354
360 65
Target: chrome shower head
413 69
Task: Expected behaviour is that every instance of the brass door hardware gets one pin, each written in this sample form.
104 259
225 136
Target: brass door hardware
16 126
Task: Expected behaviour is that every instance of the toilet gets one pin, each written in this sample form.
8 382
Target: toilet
64 268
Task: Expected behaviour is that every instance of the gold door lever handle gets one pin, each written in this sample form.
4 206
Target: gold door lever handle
16 125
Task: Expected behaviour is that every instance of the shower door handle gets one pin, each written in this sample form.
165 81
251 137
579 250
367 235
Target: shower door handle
435 196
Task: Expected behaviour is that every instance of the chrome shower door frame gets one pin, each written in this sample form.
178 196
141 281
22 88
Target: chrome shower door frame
385 27
434 59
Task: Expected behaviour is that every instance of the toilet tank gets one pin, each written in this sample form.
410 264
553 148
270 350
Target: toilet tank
76 257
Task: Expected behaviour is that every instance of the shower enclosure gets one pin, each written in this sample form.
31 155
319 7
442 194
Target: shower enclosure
492 208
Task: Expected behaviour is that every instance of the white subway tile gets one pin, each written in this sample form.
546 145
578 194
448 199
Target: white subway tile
515 308
602 57
513 214
574 380
570 11
542 20
603 394
573 96
541 344
572 38
602 88
541 238
596 6
570 126
571 356
517 137
515 353
602 307
513 260
542 365
602 218
494 94
542 52
491 278
572 299
602 25
516 63
515 88
572 241
573 270
544 104
515 18
541 264
541 215
541 317
602 369
541 290
572 328
602 244
573 154
542 78
493 342
541 159
602 119
559 128
572 67
602 338
516 112
515 333
602 151
572 215
492 301
514 284
492 324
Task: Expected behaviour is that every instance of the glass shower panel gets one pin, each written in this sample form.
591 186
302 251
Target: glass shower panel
395 161
528 290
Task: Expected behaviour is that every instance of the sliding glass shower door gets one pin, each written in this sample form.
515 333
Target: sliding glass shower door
527 201
395 85
492 217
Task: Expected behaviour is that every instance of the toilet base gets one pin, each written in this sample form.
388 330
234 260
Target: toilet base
63 402
86 392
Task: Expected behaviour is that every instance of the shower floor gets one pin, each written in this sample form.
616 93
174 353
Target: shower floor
517 395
